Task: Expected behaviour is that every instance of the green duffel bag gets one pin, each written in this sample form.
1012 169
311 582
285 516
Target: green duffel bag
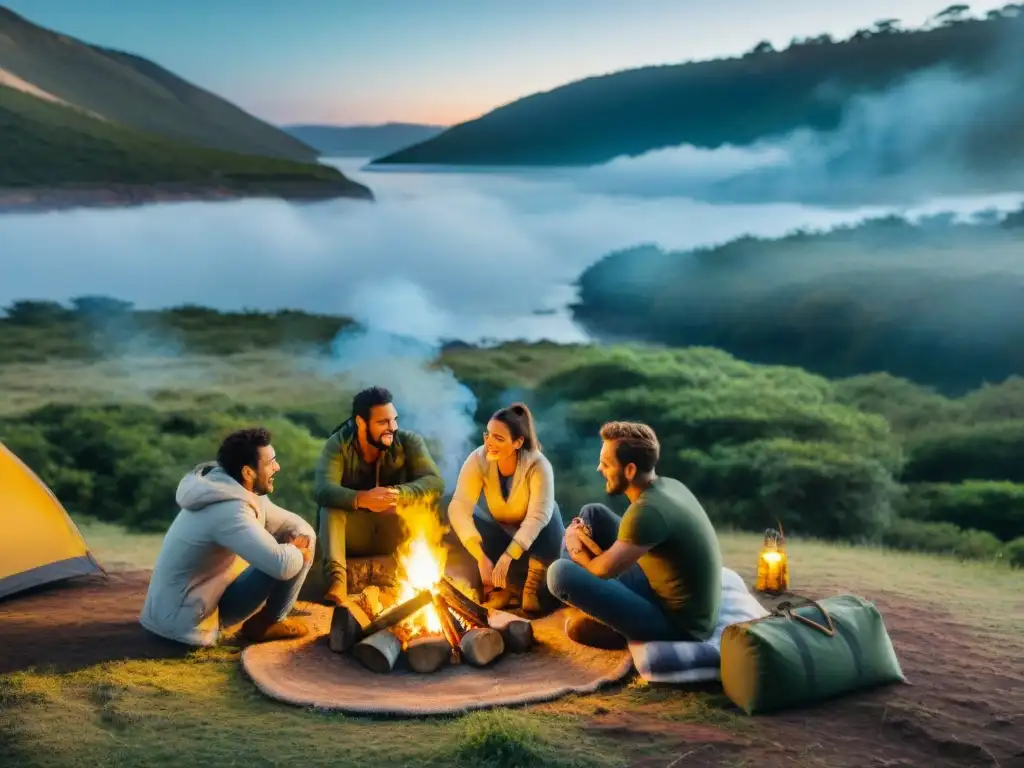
807 653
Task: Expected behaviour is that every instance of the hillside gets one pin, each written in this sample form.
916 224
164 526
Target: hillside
734 101
99 394
938 302
362 140
53 155
134 92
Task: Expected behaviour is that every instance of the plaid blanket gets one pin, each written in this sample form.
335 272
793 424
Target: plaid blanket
693 662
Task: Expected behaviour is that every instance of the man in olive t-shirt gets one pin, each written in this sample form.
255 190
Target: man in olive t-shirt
654 574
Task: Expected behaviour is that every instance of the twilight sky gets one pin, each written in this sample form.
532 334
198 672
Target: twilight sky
437 61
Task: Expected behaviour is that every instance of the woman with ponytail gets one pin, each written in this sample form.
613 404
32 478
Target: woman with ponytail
521 519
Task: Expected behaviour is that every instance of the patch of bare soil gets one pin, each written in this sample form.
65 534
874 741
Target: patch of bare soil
78 623
964 707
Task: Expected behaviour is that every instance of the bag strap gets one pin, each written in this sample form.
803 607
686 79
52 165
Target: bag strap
786 609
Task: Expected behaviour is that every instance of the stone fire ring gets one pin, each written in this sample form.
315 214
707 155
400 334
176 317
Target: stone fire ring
305 672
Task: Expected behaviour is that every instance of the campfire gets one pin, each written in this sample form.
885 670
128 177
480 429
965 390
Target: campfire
426 617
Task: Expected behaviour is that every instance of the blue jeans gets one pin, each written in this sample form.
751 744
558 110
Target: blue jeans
253 590
626 603
495 539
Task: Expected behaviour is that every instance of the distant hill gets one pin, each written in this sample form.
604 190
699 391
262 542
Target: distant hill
362 140
53 155
132 91
737 101
937 302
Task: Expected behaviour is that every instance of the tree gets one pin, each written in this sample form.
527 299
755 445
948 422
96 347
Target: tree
887 26
29 312
952 14
763 47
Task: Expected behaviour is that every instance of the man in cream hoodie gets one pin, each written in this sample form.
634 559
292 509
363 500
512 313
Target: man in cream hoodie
226 514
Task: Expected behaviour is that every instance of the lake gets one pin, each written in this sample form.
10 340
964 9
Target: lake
454 254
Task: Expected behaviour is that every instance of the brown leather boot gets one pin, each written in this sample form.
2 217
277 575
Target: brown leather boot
589 631
337 588
535 589
260 629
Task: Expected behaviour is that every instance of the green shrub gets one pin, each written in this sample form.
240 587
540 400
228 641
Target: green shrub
122 464
1013 552
941 538
815 489
996 507
952 453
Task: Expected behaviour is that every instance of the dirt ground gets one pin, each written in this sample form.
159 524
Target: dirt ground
964 707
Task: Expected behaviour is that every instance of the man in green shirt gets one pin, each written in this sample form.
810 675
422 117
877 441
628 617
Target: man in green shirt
654 574
366 469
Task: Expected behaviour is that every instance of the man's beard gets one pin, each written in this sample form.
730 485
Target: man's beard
261 488
618 487
378 443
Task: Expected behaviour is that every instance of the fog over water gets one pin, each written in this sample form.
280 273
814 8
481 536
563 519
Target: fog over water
467 255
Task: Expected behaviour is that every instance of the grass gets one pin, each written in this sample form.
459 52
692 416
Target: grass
202 710
171 382
48 145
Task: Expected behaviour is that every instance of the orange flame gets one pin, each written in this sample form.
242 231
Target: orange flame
421 561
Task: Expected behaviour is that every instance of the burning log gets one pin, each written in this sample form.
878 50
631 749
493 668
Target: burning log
481 646
379 651
450 627
426 653
474 613
516 632
397 614
348 623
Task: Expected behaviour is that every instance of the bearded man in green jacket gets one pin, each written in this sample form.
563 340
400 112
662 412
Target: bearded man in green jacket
366 469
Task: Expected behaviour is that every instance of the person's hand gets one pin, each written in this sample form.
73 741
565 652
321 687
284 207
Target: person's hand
499 576
305 546
378 499
572 539
486 567
584 538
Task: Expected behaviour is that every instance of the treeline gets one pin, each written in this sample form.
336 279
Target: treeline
871 459
95 327
735 101
937 302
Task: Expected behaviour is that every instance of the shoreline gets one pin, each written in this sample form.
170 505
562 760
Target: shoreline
91 196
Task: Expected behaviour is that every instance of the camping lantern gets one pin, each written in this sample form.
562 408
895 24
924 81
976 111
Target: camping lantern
772 563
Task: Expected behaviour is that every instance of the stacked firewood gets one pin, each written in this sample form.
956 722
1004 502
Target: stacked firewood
372 629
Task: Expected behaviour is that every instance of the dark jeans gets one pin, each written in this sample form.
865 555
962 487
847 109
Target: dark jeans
626 603
360 534
253 590
495 539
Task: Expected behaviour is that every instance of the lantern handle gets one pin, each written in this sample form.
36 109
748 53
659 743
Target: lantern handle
786 609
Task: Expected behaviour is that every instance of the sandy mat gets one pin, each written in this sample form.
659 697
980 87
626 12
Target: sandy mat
305 672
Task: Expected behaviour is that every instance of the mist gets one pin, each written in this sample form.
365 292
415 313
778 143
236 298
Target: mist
935 133
438 256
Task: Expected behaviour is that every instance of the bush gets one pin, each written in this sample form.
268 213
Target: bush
1014 552
755 443
942 538
818 489
996 507
122 464
950 454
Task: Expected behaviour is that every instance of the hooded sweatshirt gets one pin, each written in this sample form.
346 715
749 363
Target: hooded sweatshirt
219 523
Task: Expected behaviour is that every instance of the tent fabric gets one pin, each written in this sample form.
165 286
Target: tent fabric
40 542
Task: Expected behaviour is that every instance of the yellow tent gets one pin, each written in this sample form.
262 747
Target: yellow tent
39 542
